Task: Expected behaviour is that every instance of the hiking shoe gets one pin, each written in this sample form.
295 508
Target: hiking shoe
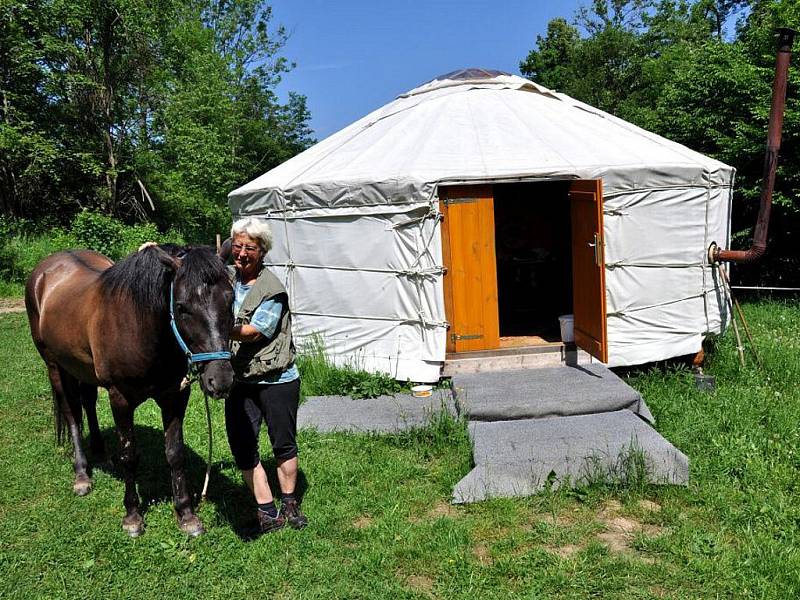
290 511
266 524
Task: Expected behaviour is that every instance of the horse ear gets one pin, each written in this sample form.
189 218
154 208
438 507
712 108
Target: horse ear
171 262
225 250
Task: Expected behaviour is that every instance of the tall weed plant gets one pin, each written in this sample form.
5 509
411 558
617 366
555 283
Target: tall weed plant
321 377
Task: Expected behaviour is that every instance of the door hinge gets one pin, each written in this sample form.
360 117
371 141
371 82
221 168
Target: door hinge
449 201
457 338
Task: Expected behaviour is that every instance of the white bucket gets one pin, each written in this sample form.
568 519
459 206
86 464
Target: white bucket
422 391
566 323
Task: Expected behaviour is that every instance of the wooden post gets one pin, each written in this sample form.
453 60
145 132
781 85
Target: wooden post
699 359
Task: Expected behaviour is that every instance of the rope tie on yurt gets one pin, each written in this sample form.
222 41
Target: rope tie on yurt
706 241
432 213
288 280
733 302
430 271
425 322
622 313
621 264
410 320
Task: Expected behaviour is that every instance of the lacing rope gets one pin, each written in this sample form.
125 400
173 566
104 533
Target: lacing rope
430 271
191 377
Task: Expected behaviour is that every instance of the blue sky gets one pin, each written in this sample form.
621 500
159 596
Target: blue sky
354 56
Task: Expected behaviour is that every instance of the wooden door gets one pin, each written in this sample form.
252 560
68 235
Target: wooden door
470 282
588 267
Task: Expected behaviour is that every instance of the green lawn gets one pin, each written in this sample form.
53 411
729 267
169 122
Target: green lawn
381 525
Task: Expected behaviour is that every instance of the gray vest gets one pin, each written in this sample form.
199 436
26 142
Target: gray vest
255 361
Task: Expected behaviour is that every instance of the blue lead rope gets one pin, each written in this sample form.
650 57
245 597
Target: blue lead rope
192 357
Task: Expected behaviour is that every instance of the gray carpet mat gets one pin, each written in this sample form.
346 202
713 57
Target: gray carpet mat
547 392
384 414
520 458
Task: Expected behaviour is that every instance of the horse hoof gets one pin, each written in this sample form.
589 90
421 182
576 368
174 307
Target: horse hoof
81 487
192 526
133 525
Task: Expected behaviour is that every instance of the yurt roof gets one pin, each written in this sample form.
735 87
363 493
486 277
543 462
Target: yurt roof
467 126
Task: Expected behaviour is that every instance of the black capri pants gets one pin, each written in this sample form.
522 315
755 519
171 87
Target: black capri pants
250 404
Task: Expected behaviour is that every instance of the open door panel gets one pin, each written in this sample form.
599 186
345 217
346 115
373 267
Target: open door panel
470 282
588 267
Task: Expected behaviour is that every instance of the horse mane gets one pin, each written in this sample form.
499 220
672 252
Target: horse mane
143 276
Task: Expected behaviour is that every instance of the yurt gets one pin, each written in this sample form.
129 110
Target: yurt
473 211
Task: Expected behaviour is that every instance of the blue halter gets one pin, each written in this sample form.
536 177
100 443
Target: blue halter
192 357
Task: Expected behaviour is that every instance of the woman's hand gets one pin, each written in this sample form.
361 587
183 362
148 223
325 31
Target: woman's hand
245 333
147 245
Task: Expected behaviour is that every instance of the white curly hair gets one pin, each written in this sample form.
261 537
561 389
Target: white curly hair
258 229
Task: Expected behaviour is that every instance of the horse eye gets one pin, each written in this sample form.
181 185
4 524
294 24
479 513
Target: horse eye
182 309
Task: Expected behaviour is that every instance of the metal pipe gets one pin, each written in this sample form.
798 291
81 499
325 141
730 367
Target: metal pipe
756 251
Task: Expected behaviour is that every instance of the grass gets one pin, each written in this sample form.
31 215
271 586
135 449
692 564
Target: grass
381 525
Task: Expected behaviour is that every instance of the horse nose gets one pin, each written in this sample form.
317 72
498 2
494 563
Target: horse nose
218 378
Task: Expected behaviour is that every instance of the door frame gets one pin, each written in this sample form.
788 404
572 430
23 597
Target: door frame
465 192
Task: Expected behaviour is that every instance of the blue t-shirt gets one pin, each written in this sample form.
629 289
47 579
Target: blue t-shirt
265 319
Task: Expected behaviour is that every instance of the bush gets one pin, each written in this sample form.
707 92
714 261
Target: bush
134 236
98 232
115 239
21 248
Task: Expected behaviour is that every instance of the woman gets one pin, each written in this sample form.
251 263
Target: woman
267 386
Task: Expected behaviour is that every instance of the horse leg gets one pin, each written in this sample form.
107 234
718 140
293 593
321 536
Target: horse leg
173 409
89 401
66 394
132 523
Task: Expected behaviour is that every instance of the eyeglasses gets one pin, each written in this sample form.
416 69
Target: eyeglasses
237 248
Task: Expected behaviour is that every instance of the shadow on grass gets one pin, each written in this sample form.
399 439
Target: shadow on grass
231 497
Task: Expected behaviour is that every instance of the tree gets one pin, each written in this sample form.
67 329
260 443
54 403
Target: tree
552 64
29 163
670 68
126 106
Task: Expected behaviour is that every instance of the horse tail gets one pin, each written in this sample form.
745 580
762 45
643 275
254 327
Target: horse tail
59 423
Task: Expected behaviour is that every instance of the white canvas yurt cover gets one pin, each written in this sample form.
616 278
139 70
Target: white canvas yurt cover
358 235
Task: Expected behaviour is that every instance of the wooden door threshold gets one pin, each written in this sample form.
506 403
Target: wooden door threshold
516 341
520 357
547 348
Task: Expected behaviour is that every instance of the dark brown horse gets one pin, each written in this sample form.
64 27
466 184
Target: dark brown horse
96 323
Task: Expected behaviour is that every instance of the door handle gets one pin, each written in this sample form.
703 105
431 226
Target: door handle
596 247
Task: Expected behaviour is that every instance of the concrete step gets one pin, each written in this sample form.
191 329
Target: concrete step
521 458
505 359
544 392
